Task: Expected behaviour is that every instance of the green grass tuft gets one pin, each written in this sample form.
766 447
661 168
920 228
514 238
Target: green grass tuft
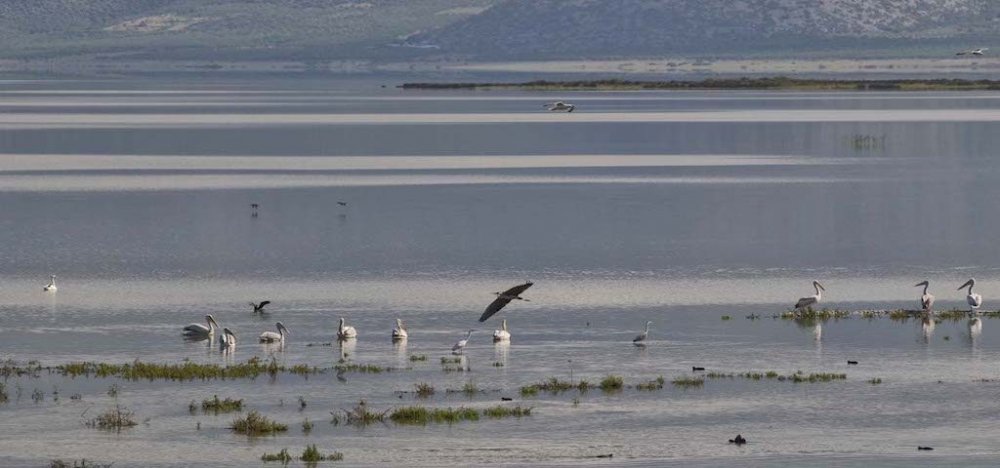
612 383
215 405
688 382
114 419
254 424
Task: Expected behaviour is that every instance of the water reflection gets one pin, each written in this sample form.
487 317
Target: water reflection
501 350
347 347
927 325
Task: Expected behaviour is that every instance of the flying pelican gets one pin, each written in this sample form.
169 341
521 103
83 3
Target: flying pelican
926 299
51 287
197 330
503 298
974 300
228 339
346 332
502 334
638 340
259 308
272 337
811 300
559 106
399 331
458 347
979 51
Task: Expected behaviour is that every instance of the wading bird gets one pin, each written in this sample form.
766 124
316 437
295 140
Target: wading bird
197 330
51 287
458 347
559 106
227 340
926 299
399 331
503 298
640 338
259 308
979 51
272 337
810 301
974 300
346 332
502 334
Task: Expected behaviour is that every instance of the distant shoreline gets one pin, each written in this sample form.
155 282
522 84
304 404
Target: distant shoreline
772 83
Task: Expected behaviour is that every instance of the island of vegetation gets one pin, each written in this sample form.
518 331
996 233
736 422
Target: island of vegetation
766 83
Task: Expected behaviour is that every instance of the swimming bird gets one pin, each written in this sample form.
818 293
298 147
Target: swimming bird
974 300
559 106
503 298
642 336
228 339
399 331
259 308
272 337
502 334
51 287
810 301
926 299
458 347
346 332
979 51
197 330
342 203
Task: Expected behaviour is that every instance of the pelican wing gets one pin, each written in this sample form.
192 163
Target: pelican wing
805 302
927 301
503 299
196 328
270 337
262 304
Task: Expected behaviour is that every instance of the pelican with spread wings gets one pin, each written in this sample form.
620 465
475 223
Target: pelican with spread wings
504 298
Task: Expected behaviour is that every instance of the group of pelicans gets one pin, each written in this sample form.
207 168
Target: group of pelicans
974 300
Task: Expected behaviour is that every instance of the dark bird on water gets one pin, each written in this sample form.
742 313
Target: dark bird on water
259 308
739 440
852 363
696 368
504 298
342 203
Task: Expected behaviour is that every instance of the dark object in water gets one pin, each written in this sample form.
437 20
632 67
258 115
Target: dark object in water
609 455
852 363
695 368
506 399
924 448
739 440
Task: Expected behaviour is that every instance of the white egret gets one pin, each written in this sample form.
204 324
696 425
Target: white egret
502 334
974 300
810 301
272 337
197 330
346 332
228 339
503 298
51 287
458 347
926 299
399 331
642 336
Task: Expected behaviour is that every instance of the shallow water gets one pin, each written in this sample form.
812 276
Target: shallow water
674 207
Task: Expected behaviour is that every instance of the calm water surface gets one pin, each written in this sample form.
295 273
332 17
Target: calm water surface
674 207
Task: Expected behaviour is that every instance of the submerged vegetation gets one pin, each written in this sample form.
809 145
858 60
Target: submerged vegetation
423 390
612 383
255 424
420 415
687 382
360 415
82 463
215 405
114 419
310 455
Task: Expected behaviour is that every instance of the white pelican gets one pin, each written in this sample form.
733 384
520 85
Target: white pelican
228 339
926 299
272 337
399 331
974 300
51 287
559 106
642 336
979 51
502 334
810 301
458 347
503 298
259 308
346 332
197 330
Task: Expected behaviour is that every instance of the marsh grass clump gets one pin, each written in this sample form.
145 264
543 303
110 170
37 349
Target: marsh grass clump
449 360
361 368
215 405
953 315
529 390
82 463
418 415
612 383
497 364
37 396
418 357
312 455
304 370
688 382
307 426
114 419
255 424
726 317
360 415
651 385
800 377
507 411
3 393
875 381
424 390
283 457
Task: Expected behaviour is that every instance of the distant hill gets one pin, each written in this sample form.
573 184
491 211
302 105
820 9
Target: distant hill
307 30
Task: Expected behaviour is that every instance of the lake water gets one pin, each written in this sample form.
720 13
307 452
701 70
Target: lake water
674 207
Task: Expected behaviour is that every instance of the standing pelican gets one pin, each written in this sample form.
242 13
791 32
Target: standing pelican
197 330
272 337
502 334
974 300
460 346
399 331
810 301
346 332
926 299
51 287
640 338
227 340
503 298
